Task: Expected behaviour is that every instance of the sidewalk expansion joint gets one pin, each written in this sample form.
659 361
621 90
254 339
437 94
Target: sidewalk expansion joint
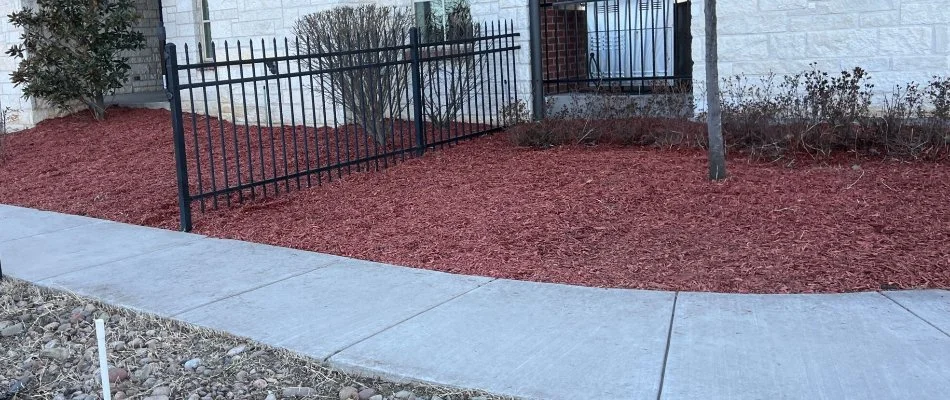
397 323
914 314
190 309
88 267
97 222
666 353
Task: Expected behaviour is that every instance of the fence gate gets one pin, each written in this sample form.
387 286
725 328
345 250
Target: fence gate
621 46
259 118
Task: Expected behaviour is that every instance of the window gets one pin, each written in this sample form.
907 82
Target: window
630 38
204 30
443 19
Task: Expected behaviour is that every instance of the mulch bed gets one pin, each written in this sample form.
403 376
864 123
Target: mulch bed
596 216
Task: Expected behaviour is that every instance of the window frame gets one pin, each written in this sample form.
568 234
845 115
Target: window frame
203 19
429 6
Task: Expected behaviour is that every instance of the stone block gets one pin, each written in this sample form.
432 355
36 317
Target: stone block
924 13
839 43
906 40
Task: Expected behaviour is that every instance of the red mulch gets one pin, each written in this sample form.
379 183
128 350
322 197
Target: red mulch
613 217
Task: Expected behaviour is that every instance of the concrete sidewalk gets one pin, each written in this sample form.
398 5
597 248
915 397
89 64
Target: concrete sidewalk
524 339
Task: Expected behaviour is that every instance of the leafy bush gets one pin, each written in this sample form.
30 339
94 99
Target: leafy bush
70 50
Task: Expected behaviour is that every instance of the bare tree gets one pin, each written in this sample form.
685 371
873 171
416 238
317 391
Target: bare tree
370 84
717 148
4 114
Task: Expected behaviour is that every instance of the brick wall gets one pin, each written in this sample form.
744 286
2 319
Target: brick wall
564 47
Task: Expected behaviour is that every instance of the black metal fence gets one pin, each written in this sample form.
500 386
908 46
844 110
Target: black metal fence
612 45
261 118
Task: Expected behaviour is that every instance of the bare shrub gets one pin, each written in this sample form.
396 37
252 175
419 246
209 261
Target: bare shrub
819 113
369 84
938 92
755 114
604 117
455 78
514 113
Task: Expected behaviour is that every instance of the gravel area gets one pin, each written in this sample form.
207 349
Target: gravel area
48 351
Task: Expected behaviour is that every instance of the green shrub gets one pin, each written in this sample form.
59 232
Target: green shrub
70 50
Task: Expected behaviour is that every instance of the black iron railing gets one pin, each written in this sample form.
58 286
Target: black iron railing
259 118
613 45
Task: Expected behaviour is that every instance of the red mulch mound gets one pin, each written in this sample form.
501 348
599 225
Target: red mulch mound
613 217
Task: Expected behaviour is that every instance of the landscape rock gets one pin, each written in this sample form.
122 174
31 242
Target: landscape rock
365 394
403 394
143 373
349 393
161 391
76 317
376 397
12 330
241 376
57 353
259 383
17 385
300 391
117 375
192 363
270 396
236 350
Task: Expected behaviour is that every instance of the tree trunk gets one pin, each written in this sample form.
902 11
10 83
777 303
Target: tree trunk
97 106
717 149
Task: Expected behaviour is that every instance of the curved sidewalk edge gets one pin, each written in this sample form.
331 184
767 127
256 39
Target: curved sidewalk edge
525 339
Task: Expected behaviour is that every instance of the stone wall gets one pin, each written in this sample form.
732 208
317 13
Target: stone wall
20 115
897 41
146 72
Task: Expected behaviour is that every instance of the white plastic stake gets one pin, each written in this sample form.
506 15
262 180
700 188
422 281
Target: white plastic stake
103 363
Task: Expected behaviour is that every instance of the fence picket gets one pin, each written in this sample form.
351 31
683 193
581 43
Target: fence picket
464 106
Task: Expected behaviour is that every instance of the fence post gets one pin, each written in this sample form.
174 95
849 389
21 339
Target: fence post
178 131
537 87
417 90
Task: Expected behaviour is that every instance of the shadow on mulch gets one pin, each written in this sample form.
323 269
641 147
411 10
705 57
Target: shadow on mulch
595 216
